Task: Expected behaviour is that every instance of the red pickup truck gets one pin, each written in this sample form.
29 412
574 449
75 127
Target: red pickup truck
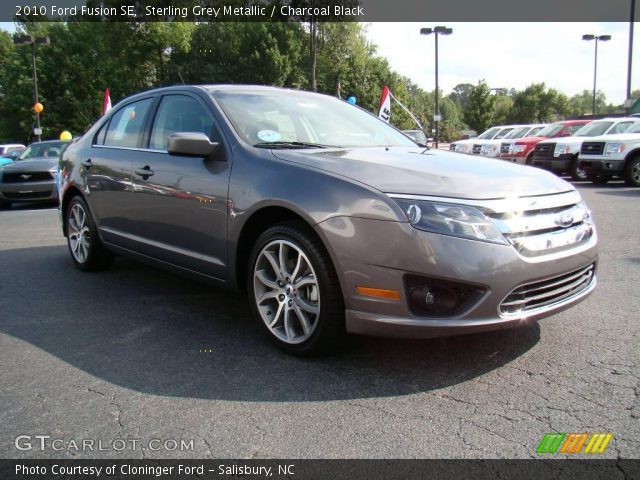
521 150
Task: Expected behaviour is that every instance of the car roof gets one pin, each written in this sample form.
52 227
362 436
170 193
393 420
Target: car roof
44 142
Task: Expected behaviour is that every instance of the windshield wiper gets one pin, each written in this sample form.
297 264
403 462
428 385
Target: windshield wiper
290 145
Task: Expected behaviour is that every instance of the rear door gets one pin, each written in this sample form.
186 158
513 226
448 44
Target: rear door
108 165
180 206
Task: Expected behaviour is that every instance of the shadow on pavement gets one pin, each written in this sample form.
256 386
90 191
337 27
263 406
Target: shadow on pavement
154 332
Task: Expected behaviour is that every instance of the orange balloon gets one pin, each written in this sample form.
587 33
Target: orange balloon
38 107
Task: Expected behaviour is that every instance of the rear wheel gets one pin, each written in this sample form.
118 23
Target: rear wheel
577 173
87 251
632 172
294 291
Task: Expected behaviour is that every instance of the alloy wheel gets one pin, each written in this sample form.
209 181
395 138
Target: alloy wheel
286 291
79 234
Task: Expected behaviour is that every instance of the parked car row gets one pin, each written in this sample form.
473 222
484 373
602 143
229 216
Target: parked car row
31 176
613 148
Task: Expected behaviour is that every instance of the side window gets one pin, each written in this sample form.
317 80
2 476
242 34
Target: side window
574 128
180 113
127 124
99 138
621 127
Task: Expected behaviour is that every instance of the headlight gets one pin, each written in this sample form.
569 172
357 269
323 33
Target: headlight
561 149
517 148
450 219
613 148
489 149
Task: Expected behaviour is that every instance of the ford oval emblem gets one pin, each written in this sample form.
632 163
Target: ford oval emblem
564 220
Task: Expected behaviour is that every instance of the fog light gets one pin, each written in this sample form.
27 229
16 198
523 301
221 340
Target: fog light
440 298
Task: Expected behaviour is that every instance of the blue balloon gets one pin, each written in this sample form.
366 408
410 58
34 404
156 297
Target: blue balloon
351 100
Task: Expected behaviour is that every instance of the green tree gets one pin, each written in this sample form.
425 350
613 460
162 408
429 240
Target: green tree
479 112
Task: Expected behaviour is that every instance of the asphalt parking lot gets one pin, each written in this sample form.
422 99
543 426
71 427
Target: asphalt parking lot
139 353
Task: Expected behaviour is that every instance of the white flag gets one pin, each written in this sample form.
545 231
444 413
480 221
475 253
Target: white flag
385 105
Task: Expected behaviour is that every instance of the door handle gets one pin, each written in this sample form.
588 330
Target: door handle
87 163
144 172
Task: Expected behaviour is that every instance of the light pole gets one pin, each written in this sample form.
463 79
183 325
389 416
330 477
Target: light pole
30 40
440 30
632 16
602 38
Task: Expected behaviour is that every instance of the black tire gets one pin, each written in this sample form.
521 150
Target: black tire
599 179
97 257
5 205
578 174
632 172
529 159
329 325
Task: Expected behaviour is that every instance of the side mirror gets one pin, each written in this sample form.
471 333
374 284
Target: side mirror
191 144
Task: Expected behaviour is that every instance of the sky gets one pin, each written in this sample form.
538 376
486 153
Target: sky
510 55
513 55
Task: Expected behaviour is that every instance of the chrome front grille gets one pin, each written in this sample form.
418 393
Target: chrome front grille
548 293
538 226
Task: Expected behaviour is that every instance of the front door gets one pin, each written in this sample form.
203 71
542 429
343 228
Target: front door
180 206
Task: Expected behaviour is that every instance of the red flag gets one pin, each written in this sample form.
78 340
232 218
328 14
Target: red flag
106 103
385 105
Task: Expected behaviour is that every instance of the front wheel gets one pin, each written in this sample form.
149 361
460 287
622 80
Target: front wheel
294 291
87 251
578 174
632 172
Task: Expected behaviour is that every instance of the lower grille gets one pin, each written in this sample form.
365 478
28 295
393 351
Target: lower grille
505 148
592 148
477 149
27 195
547 293
27 177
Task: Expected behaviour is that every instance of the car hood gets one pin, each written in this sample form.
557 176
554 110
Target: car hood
418 171
616 137
32 165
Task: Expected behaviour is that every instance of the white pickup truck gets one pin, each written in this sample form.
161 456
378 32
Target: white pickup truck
560 155
610 156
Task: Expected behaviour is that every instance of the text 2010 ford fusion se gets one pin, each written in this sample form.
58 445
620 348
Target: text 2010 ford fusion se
332 220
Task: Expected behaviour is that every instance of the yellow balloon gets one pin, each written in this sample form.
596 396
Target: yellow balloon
66 135
38 107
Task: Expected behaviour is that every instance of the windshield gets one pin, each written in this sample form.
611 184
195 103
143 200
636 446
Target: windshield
518 132
593 129
503 133
534 131
38 150
550 130
416 136
489 133
286 119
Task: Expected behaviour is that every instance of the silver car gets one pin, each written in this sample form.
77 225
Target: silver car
331 220
32 176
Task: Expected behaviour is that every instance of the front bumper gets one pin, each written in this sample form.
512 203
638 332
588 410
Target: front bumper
514 159
29 191
379 254
560 164
601 166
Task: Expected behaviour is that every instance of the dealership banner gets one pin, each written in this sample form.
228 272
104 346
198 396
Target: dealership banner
316 10
318 469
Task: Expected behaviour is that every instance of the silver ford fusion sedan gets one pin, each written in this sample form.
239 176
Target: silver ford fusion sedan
331 220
